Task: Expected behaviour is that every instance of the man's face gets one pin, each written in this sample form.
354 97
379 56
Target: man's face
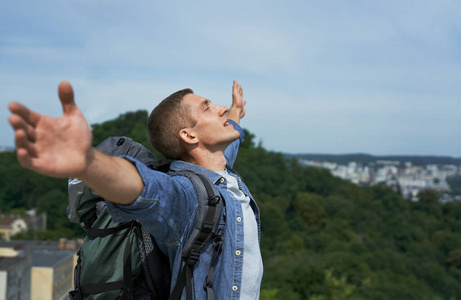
212 127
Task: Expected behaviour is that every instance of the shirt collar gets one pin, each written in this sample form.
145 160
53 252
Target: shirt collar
180 165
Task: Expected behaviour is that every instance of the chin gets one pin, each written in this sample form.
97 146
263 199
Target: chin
237 135
232 139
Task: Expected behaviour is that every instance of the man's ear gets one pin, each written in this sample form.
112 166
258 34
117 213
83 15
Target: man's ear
188 136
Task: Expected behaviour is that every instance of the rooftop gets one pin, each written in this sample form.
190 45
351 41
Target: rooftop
7 263
48 258
43 253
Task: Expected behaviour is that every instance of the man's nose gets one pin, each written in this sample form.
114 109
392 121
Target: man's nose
223 110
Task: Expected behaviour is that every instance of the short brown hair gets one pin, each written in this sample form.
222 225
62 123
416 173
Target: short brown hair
165 122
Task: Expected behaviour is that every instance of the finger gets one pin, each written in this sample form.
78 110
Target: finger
242 114
26 160
25 149
18 123
66 95
235 86
25 113
239 89
23 157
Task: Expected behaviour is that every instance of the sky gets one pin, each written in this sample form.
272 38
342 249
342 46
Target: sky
334 77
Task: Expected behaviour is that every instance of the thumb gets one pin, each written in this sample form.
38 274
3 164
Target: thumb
66 94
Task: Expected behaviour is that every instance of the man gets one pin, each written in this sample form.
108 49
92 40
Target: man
196 135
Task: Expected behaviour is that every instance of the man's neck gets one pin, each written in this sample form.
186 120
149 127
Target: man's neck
214 161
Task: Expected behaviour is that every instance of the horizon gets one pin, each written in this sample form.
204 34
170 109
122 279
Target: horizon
12 148
375 155
319 77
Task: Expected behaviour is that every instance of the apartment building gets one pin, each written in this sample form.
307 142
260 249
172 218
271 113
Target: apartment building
15 278
51 264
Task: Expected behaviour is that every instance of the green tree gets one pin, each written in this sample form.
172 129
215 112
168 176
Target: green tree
309 208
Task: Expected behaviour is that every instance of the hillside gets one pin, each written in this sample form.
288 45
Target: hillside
322 237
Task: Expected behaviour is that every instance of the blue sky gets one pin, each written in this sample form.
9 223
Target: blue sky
377 77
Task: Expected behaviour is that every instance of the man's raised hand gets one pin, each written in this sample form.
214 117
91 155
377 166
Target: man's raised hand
237 110
57 147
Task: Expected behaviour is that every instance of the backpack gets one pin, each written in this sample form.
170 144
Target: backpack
122 260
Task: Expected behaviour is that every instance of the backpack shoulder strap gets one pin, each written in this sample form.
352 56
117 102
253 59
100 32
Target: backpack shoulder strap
206 227
210 208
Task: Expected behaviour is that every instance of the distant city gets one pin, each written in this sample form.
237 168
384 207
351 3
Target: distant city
6 149
401 173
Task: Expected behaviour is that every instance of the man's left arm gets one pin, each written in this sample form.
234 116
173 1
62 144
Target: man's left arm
236 112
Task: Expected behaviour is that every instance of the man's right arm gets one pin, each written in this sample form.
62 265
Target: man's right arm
114 178
61 147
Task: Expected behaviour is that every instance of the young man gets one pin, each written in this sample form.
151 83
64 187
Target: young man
196 135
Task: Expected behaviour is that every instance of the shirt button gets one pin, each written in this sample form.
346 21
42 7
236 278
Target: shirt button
239 219
235 288
222 180
237 252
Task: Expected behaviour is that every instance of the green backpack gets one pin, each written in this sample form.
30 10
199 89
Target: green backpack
122 260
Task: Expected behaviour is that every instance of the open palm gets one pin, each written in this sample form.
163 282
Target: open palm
57 147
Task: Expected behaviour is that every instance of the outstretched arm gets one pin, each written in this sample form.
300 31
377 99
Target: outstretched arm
237 110
61 147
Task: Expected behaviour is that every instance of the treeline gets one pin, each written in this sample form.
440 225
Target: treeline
322 237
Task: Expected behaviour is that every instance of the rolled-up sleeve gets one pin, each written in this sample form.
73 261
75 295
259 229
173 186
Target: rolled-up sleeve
232 150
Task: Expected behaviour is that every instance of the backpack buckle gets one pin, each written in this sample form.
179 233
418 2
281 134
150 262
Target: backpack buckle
207 227
213 200
208 284
193 257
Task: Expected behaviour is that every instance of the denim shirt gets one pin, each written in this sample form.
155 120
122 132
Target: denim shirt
167 208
